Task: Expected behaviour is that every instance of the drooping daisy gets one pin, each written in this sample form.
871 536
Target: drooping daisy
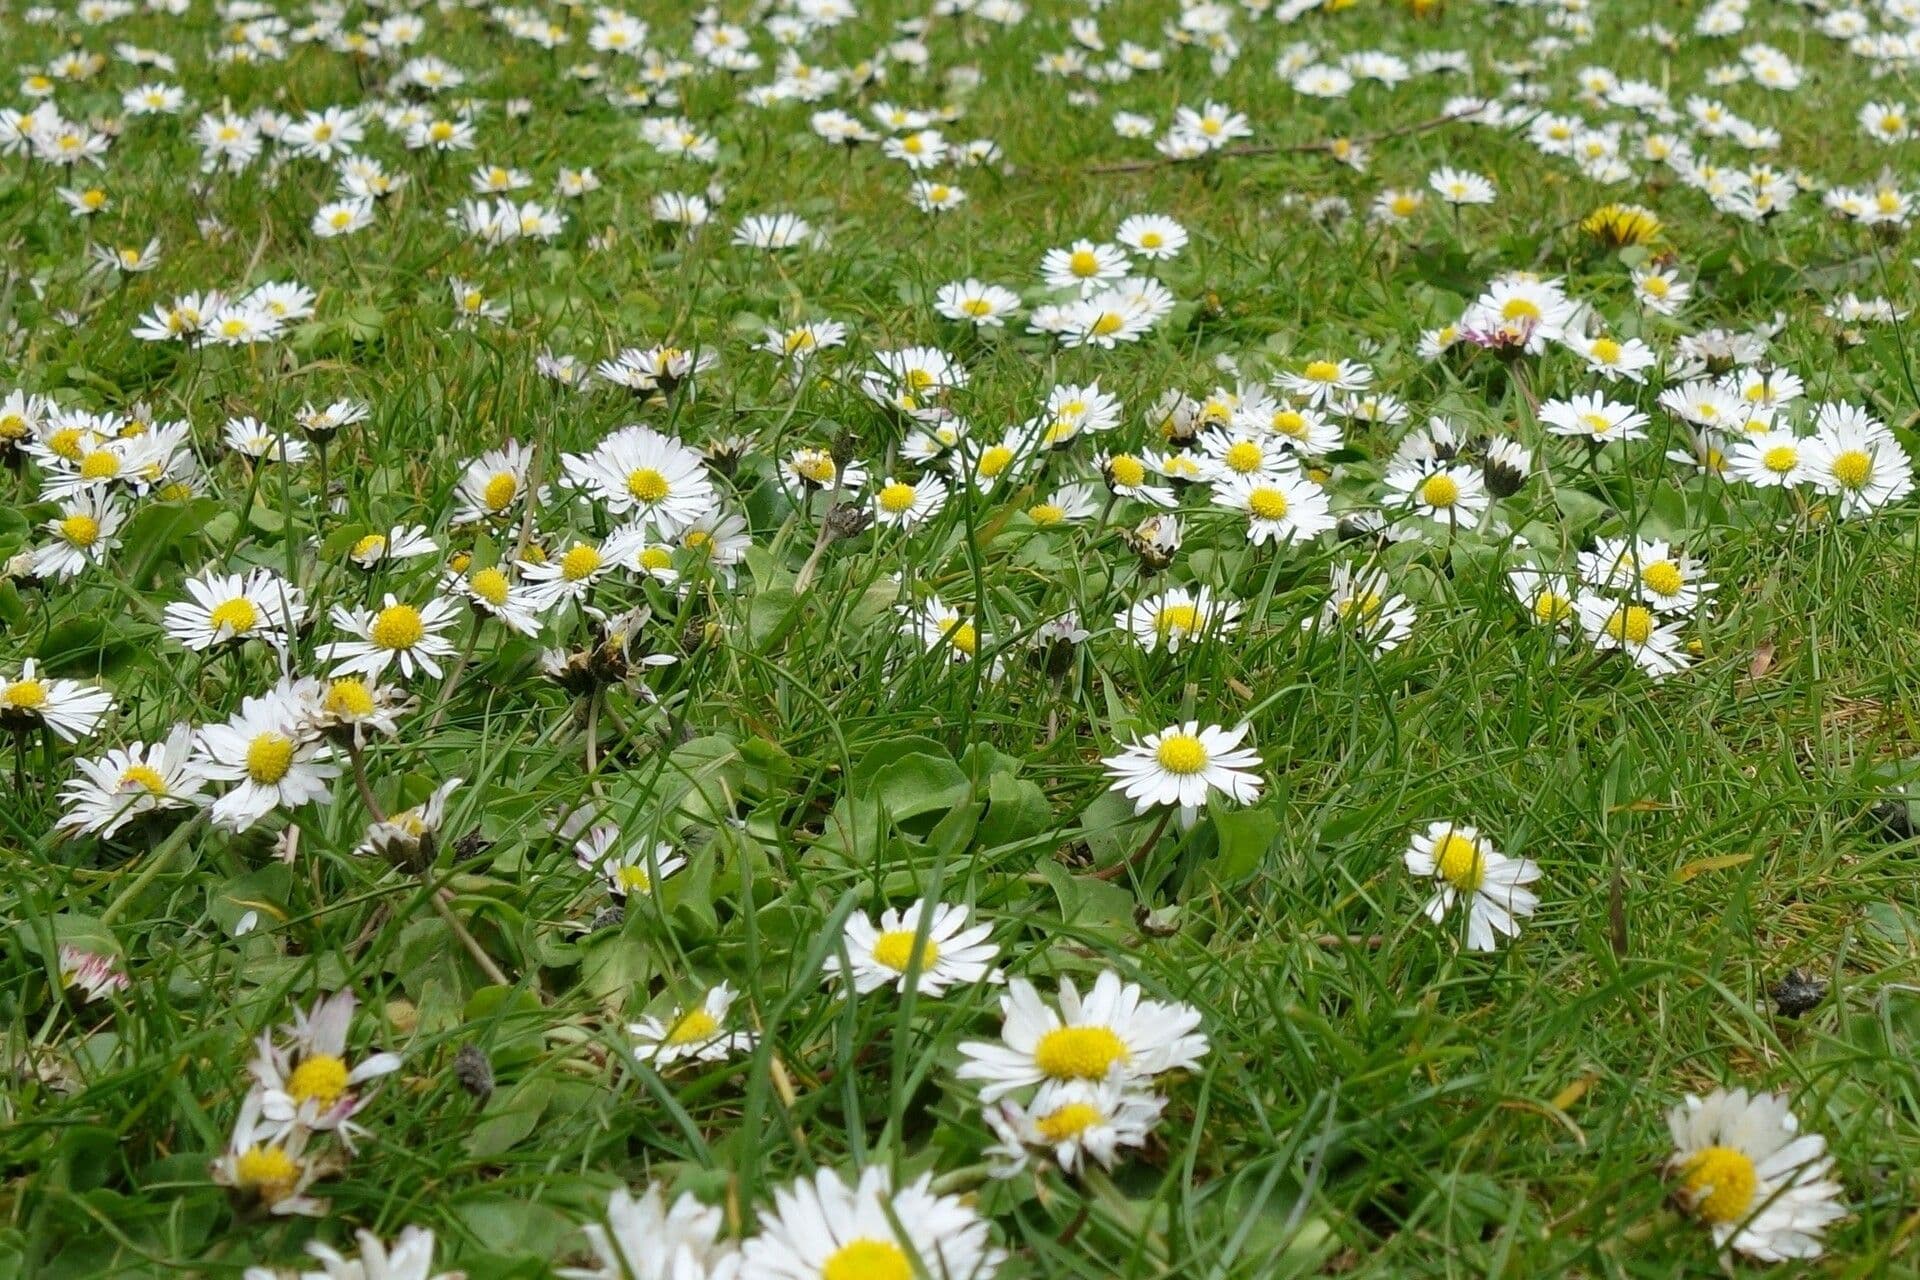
1178 616
1465 867
1127 476
262 748
130 782
1182 764
303 1073
1634 629
396 633
1072 1121
230 607
67 709
644 1236
696 1032
1116 1028
940 627
950 954
402 542
820 1228
809 470
1065 505
408 839
1764 1188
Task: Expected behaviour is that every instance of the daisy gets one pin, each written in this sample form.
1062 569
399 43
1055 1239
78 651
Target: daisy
1178 616
1066 505
802 340
645 1236
656 479
635 868
402 542
1321 382
127 783
1465 867
572 574
408 839
397 632
1654 646
809 470
492 485
256 440
1547 597
1769 460
1459 187
820 1227
1152 236
303 1075
1245 451
1280 507
936 197
495 595
1127 477
1611 358
949 954
1182 764
67 709
1664 578
899 504
1863 465
1592 416
273 1173
696 1032
1452 495
263 748
342 217
1762 1187
1660 290
1083 265
230 608
1074 409
410 1258
86 529
1361 601
1104 320
971 301
1072 1121
96 976
939 627
1115 1030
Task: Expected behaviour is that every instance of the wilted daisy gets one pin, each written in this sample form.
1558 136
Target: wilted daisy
1072 1122
820 1228
395 634
1178 616
262 748
303 1073
130 782
951 952
645 1236
232 607
1182 764
410 837
696 1032
1745 1169
1465 867
67 709
1115 1029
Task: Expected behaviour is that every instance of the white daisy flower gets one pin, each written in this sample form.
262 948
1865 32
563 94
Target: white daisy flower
697 1032
646 1237
396 633
1072 1121
1465 867
1745 1169
232 607
130 782
67 709
1634 629
1114 1029
1178 616
951 953
650 477
1282 507
264 749
303 1075
1182 764
634 868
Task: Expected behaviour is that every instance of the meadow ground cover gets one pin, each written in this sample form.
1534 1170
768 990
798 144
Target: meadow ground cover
845 641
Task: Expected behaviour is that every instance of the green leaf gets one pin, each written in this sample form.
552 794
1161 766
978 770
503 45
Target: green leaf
1246 837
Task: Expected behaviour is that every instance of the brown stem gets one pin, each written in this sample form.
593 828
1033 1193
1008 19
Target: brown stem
1146 847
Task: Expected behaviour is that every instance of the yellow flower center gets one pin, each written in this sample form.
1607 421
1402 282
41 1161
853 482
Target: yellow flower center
1322 371
654 559
1551 607
1719 1183
321 1079
634 880
12 427
1126 470
1290 422
1631 625
398 626
1663 578
696 539
1853 468
647 485
817 467
1046 513
1780 459
349 699
101 464
236 617
65 443
145 778
24 695
1181 753
976 306
693 1027
490 585
962 636
268 1171
1151 239
894 949
368 547
867 1259
1267 503
80 529
1184 618
1079 1053
1655 286
502 488
1083 263
897 498
994 460
579 562
1598 423
1109 323
1440 491
269 757
440 130
1605 350
918 380
937 194
1068 1122
1520 309
1459 862
1244 456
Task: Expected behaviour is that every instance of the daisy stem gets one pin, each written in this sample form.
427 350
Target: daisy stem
820 541
1159 829
360 783
438 897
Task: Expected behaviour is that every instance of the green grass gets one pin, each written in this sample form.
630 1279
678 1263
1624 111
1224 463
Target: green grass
1377 1100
